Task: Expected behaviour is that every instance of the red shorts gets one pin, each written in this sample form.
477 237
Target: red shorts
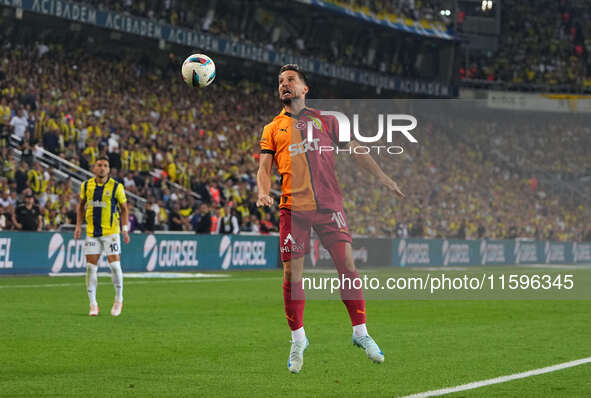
294 230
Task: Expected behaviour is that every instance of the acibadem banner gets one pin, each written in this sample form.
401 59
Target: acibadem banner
55 253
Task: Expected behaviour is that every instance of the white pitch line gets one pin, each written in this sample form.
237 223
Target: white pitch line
502 379
140 282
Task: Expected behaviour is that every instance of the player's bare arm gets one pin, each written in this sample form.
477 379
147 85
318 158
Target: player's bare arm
125 221
264 180
369 164
79 217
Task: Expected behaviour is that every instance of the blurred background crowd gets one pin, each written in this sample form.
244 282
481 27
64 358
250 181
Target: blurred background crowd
206 141
544 42
192 155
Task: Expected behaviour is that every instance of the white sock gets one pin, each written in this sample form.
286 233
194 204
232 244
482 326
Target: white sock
360 330
91 282
117 276
298 335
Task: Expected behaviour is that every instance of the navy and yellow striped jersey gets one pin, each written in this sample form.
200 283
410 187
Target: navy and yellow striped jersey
102 202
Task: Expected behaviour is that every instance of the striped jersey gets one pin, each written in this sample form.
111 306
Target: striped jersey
102 206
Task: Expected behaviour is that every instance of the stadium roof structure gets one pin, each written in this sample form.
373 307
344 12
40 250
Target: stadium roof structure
422 27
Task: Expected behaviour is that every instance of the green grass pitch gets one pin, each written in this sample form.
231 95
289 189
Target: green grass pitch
229 337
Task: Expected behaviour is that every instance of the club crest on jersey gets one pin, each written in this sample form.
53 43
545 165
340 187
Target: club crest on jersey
314 122
107 193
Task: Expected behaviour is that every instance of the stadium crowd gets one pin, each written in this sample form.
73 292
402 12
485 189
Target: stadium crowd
165 141
276 28
472 195
144 129
544 42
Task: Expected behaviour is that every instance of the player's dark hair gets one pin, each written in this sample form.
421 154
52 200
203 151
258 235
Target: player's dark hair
295 68
103 158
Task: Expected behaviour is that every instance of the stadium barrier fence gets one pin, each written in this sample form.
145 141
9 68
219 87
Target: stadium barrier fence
59 253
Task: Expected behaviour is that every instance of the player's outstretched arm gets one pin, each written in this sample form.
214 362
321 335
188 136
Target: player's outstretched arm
79 215
264 180
368 163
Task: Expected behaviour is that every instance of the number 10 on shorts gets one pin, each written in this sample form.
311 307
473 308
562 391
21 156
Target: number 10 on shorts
338 217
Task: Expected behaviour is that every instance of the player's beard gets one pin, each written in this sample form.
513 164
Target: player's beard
291 100
103 176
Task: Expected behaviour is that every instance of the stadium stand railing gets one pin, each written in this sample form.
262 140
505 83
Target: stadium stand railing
65 169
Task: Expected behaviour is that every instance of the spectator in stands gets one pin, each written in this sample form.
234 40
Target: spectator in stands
133 219
149 225
27 216
202 189
21 177
401 231
5 199
267 224
461 234
228 223
6 214
176 221
27 147
202 220
418 229
114 157
481 233
19 123
37 178
51 140
254 225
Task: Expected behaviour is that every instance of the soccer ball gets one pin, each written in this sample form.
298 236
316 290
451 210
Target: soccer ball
198 70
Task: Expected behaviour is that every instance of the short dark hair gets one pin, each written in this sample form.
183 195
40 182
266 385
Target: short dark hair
103 158
296 68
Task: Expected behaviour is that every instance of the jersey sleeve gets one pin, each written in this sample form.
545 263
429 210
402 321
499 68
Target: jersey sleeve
267 142
120 194
83 190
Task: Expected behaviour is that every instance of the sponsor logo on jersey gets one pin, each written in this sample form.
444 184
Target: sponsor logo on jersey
303 147
290 245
